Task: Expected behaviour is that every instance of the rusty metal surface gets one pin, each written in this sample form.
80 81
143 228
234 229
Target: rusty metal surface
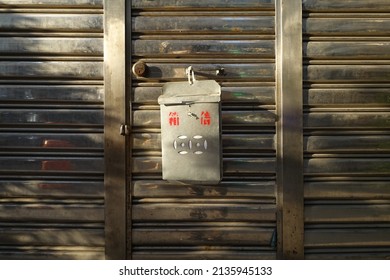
190 221
346 119
51 143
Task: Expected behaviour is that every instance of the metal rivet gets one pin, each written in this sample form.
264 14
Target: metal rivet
139 68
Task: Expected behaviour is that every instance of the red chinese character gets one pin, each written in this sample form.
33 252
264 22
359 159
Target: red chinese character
173 118
205 118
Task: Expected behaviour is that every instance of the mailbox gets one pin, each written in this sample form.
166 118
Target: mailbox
191 132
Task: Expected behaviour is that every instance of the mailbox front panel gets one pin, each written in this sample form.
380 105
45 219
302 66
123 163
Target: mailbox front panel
191 142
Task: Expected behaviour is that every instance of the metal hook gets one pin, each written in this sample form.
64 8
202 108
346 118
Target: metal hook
190 75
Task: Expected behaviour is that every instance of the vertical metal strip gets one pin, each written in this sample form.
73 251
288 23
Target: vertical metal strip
115 115
290 129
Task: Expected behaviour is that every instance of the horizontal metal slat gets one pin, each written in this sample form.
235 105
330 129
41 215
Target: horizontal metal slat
51 237
47 165
346 26
51 117
330 190
162 189
52 93
56 189
264 95
329 238
53 3
51 22
51 253
204 212
151 118
340 254
346 5
231 166
181 48
180 253
358 95
347 120
366 213
54 213
347 50
205 25
52 46
83 70
343 166
350 144
45 142
347 73
173 4
239 71
239 236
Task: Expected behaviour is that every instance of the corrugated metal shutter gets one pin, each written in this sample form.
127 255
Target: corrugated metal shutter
347 138
51 123
236 219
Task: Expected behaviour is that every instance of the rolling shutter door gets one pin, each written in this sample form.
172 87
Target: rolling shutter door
347 139
237 218
51 125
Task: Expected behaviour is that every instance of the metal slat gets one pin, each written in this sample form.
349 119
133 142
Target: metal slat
51 237
214 236
347 120
52 46
46 142
48 165
357 190
163 189
204 212
187 48
38 93
51 253
347 166
54 3
84 70
51 188
199 25
359 95
51 117
347 26
54 213
347 50
347 144
365 213
346 5
204 254
51 22
193 4
347 73
331 238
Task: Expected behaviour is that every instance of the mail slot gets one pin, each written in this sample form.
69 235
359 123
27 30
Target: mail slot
191 132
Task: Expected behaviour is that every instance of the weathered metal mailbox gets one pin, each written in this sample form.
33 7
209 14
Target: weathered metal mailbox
191 131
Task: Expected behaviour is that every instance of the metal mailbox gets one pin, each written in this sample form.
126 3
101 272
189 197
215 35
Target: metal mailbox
191 132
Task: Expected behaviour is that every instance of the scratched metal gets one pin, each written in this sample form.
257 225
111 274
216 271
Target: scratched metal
51 123
347 152
236 218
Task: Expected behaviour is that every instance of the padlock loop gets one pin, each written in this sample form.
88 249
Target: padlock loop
190 75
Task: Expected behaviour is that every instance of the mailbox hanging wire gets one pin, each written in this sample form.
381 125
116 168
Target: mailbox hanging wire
190 75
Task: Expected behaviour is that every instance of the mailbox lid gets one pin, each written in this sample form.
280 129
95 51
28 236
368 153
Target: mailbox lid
175 93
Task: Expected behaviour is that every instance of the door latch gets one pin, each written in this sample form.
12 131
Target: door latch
124 130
